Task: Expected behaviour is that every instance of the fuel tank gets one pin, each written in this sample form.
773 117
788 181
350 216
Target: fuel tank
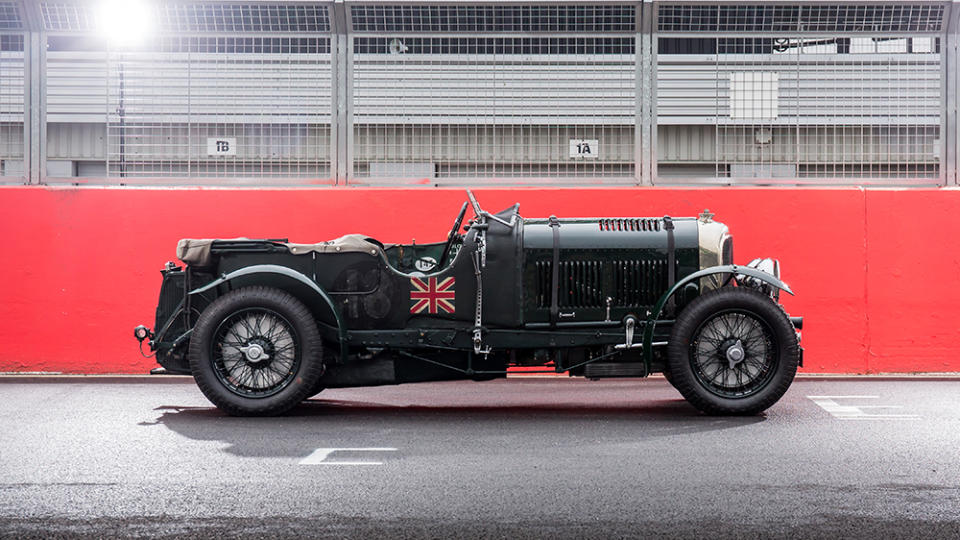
615 264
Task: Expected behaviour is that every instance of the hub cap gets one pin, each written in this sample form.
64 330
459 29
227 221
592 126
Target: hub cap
255 352
733 354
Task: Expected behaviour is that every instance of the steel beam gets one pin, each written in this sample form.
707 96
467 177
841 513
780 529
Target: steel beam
34 107
338 96
949 136
646 90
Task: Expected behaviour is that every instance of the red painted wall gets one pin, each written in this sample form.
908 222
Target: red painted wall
874 270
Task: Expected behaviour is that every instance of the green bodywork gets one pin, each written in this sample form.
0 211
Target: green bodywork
610 271
650 324
268 273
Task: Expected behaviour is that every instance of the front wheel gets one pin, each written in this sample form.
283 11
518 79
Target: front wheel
733 351
256 351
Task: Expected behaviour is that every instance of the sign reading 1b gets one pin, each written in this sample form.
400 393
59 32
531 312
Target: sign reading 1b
222 146
584 148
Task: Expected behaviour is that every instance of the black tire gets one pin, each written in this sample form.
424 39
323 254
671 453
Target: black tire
256 351
732 351
317 388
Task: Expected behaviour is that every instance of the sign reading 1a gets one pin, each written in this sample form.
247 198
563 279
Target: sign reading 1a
584 148
222 146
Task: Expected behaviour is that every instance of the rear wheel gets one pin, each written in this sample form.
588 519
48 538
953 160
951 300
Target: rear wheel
317 388
733 351
256 351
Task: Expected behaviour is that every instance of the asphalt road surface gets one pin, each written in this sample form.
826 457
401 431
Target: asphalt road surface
546 458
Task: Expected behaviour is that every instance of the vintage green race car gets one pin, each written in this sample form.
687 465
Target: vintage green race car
264 324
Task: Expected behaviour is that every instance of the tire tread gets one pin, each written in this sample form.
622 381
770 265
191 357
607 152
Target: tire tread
678 353
311 364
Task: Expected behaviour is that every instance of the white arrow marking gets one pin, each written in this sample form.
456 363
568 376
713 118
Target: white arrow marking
320 455
856 412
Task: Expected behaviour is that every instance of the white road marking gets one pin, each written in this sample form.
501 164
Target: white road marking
856 412
320 455
843 397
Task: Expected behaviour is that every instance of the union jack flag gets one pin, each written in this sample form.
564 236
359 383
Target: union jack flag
432 297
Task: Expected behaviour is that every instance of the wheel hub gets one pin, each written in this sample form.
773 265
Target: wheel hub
735 354
254 353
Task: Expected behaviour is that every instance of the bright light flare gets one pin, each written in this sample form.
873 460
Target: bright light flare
126 22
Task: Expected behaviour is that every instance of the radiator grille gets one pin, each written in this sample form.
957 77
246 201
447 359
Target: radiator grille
580 284
639 282
635 283
543 283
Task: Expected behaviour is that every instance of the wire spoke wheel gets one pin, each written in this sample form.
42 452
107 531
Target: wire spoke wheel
255 352
733 353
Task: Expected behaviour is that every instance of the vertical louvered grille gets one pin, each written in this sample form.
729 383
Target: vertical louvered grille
630 224
635 283
544 284
583 283
580 284
638 282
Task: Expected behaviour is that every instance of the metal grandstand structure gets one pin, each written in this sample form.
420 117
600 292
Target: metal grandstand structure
289 92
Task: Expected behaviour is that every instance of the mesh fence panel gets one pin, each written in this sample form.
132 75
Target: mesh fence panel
192 17
494 106
10 16
66 16
494 18
840 104
796 18
11 106
233 18
227 107
876 114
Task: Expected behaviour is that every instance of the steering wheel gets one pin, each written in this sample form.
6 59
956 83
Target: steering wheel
452 236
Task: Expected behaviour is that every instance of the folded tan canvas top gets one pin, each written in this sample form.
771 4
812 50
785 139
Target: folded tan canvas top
345 244
197 251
